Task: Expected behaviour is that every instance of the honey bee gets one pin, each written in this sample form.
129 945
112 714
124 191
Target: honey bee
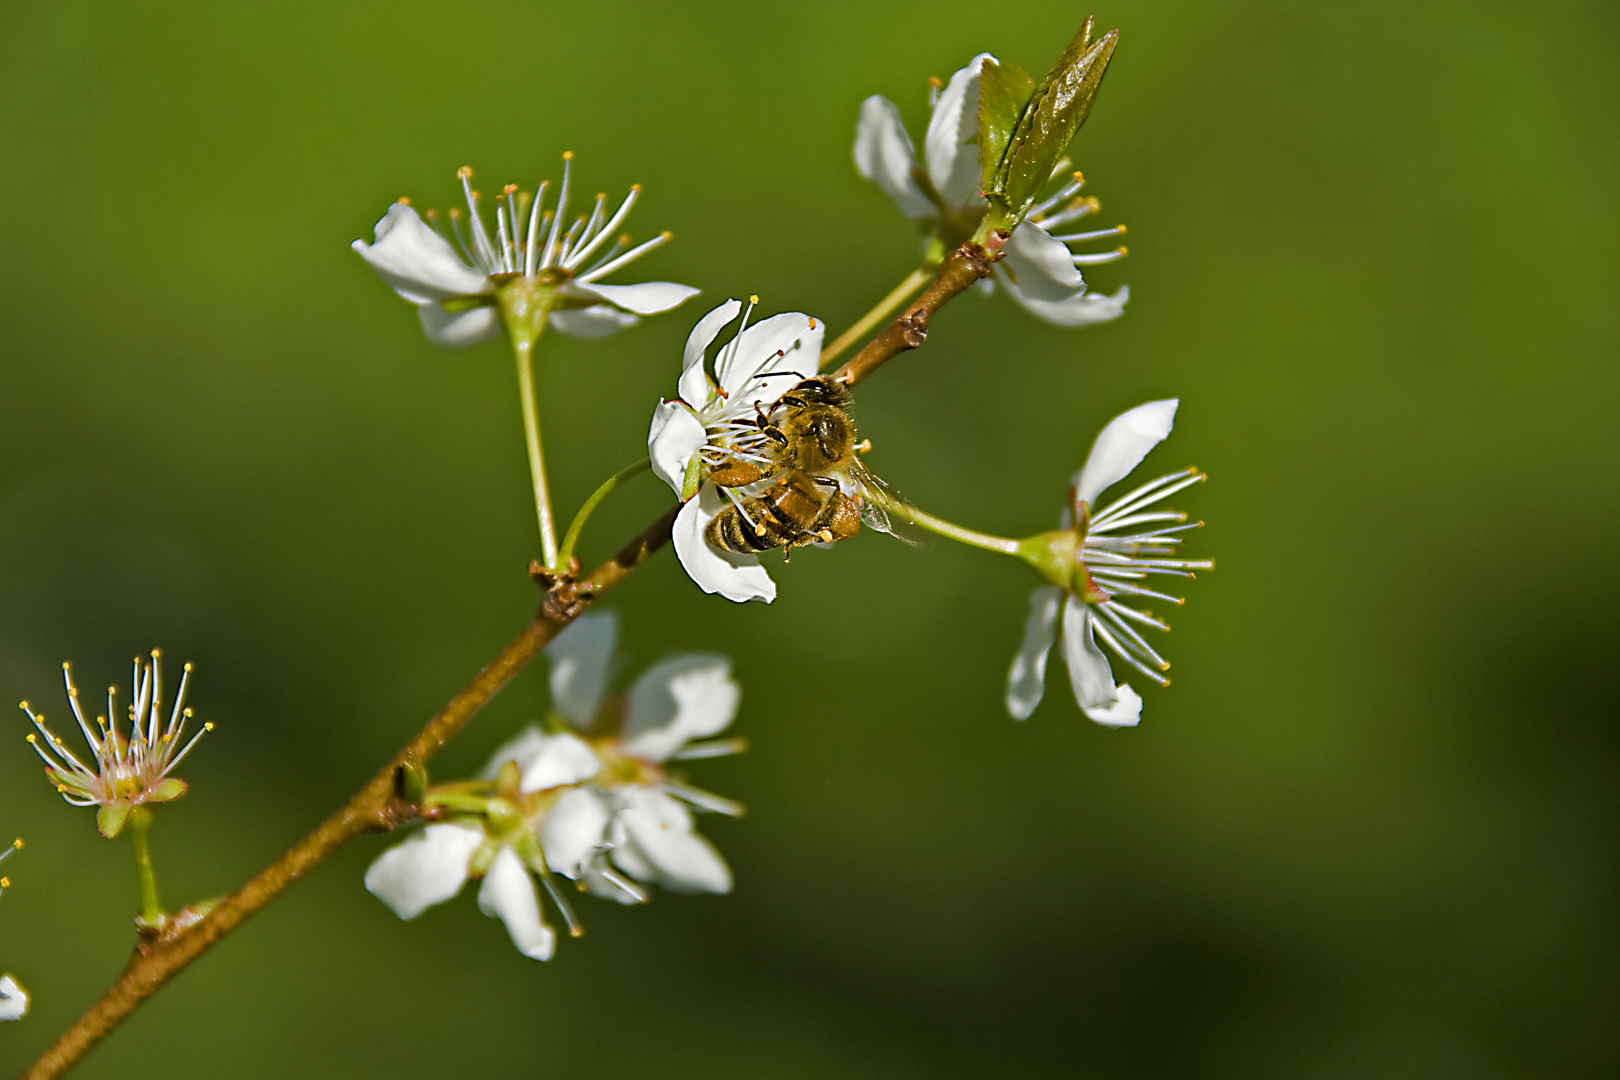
819 490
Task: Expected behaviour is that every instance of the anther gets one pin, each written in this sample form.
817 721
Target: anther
753 299
404 200
812 322
936 82
568 155
465 172
863 446
5 883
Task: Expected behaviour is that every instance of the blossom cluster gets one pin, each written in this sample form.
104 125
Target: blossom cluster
591 797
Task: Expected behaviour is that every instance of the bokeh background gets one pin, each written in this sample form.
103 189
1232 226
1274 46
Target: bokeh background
1371 830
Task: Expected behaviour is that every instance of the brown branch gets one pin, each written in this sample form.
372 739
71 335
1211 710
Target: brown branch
961 268
376 807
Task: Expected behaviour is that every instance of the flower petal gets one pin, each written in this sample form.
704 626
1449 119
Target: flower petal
13 999
1078 309
1039 266
659 829
647 298
735 577
508 892
1026 681
883 153
694 384
789 342
574 831
1089 673
519 748
951 146
458 329
596 321
563 759
674 437
1126 712
1122 445
672 703
579 658
417 262
427 869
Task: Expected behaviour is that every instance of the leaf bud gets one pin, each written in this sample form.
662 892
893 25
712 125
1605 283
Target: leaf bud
1048 119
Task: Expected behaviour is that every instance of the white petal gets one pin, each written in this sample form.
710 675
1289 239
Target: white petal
647 298
1089 674
735 577
1026 681
427 869
579 658
562 759
1078 309
683 698
519 748
694 384
796 337
883 153
1122 444
596 321
659 829
458 329
1039 266
1126 712
575 830
951 146
674 437
508 892
13 999
418 262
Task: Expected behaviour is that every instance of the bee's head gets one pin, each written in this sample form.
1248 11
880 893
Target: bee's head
820 390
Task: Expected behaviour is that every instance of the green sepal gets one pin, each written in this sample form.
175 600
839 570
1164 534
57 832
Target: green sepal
483 858
110 819
508 778
1055 112
693 478
468 303
166 790
1004 91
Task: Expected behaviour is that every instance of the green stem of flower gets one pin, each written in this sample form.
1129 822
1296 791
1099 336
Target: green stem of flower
884 308
565 556
523 349
923 519
140 823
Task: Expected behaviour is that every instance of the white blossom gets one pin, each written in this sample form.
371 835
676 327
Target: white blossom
1116 549
634 818
454 292
1038 268
711 421
13 999
127 766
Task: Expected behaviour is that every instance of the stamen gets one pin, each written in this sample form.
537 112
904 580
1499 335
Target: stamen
628 257
531 250
705 800
593 228
575 258
1134 500
1135 638
1105 257
1098 234
475 223
1113 643
575 927
1131 613
712 748
1073 212
1070 189
562 209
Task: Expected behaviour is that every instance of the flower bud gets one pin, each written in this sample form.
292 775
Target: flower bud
1047 118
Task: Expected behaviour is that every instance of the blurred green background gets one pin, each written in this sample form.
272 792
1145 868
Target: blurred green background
1370 832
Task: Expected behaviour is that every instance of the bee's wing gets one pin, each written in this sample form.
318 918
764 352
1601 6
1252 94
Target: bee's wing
874 491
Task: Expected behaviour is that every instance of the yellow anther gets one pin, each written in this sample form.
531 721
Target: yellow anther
187 667
752 299
5 883
667 235
1122 229
22 704
1123 250
17 843
635 187
812 322
30 738
568 155
465 172
935 81
208 726
404 200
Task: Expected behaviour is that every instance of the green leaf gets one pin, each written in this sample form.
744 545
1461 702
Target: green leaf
110 819
1054 114
1004 91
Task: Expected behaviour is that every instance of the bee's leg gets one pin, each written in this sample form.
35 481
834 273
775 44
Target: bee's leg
825 481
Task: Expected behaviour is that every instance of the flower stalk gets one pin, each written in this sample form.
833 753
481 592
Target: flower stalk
526 304
565 554
140 824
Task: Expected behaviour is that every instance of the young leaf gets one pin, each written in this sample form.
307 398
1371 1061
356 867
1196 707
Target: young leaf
1004 90
1055 112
